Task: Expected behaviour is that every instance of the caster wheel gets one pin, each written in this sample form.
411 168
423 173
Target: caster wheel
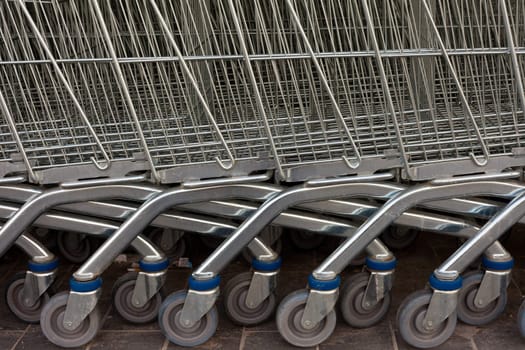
166 240
174 331
74 247
410 322
351 299
289 315
235 293
399 237
122 295
304 240
471 314
51 323
14 297
521 319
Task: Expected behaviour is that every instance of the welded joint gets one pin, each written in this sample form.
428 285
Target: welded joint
445 275
324 275
261 250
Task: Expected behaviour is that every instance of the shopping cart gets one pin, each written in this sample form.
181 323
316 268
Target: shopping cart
331 99
441 133
72 119
474 100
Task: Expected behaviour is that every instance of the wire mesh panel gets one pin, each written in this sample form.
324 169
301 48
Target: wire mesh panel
65 106
83 80
452 84
312 88
320 95
195 106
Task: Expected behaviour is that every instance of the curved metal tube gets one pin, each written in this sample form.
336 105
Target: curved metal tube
34 249
392 209
136 223
30 211
270 209
489 233
19 193
103 257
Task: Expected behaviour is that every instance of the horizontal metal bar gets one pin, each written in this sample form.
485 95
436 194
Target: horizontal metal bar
105 181
226 181
279 57
12 180
349 179
483 177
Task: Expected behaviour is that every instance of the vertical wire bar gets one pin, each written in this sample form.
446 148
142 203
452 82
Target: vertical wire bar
351 163
195 85
68 88
253 81
513 54
486 155
124 87
12 126
384 82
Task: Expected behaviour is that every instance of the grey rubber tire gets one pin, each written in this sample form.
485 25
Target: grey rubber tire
74 247
52 327
410 322
14 300
289 315
350 302
471 314
122 295
175 332
235 293
399 237
521 319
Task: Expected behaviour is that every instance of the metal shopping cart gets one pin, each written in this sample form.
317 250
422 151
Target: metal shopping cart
330 99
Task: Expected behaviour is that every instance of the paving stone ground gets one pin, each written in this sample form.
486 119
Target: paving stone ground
415 265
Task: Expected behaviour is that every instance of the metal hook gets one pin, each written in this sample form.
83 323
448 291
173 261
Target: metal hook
478 162
352 163
224 165
100 166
